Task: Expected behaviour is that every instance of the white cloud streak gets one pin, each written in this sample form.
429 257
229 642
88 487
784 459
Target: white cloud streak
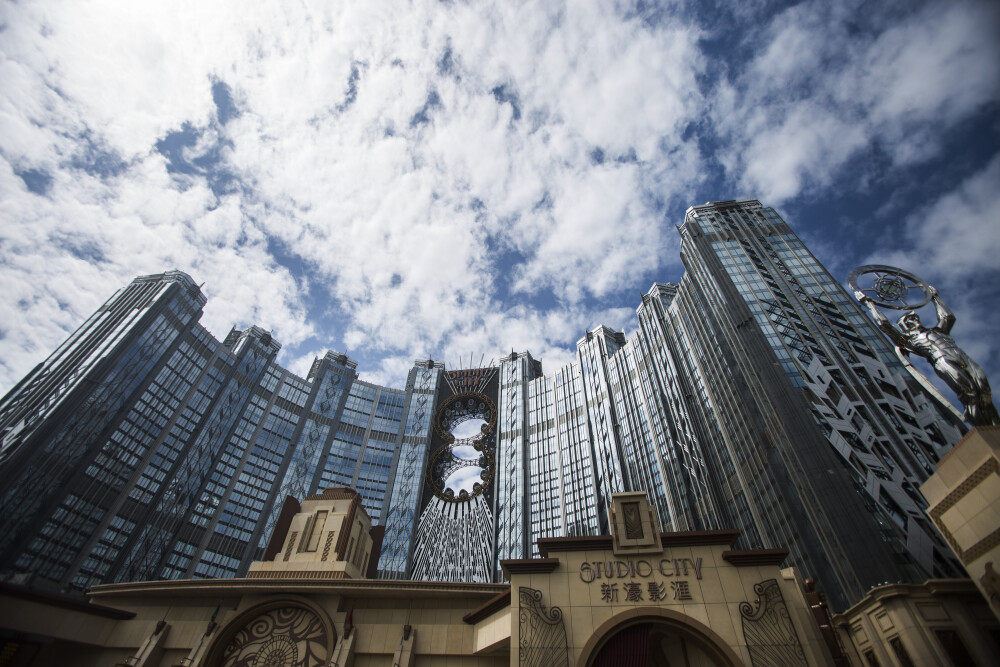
829 83
393 150
428 179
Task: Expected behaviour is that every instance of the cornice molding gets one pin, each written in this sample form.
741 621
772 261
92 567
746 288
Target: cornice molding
688 538
755 557
381 588
63 602
488 608
529 565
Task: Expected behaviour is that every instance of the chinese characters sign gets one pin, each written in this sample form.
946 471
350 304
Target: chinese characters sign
634 591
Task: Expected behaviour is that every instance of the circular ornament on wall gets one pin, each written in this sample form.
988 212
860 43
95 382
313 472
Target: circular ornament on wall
280 637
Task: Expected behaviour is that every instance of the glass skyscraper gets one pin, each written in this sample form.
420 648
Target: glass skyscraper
819 435
144 448
754 394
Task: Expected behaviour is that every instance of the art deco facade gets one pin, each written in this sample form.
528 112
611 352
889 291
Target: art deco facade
754 395
635 597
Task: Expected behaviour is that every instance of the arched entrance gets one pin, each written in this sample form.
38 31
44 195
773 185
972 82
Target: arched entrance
656 638
286 632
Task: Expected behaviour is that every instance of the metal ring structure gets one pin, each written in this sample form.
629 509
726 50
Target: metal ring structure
443 462
889 287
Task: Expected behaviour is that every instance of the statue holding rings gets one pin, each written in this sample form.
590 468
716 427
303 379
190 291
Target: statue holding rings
875 285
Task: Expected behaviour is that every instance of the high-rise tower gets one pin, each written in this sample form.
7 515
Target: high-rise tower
62 425
755 394
145 448
820 436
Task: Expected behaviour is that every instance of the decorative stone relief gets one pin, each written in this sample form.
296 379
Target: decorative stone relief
328 545
541 633
283 637
633 521
291 544
768 630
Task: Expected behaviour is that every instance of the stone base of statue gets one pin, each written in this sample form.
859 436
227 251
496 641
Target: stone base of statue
963 495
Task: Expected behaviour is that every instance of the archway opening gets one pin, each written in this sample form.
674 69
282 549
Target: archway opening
652 643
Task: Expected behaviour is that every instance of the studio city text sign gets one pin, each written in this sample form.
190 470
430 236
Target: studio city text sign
630 569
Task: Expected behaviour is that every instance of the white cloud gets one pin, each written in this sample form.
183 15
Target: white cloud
434 172
394 150
956 239
960 232
780 161
829 82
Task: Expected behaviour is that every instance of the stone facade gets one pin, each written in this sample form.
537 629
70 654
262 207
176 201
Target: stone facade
939 622
964 499
689 596
638 596
328 536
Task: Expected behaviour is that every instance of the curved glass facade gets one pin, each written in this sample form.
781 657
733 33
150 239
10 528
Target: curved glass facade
754 394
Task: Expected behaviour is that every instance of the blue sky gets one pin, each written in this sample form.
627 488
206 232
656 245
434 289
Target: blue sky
400 181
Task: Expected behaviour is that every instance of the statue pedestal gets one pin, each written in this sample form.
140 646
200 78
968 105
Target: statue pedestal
964 498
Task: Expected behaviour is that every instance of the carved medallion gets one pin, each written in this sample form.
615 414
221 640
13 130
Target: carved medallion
283 637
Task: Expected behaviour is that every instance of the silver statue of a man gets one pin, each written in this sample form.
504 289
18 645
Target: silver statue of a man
959 371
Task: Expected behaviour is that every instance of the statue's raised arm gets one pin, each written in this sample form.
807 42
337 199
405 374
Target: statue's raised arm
946 318
882 321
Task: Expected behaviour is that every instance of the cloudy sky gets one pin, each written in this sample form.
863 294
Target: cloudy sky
403 180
